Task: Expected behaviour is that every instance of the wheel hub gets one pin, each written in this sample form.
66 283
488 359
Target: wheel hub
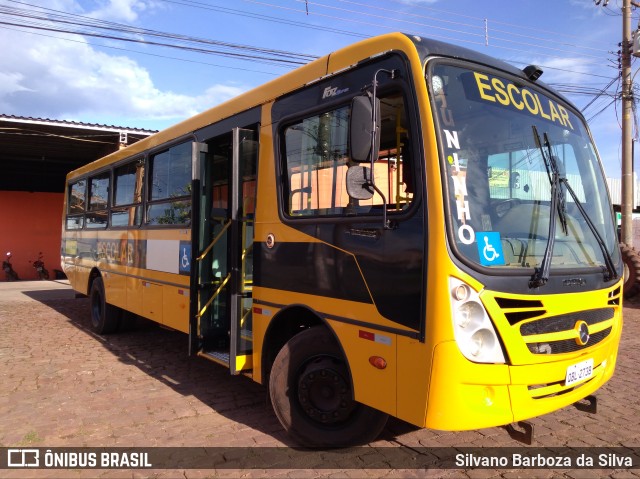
323 391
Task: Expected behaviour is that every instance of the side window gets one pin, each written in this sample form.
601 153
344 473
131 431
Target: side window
317 158
76 205
169 196
98 201
127 195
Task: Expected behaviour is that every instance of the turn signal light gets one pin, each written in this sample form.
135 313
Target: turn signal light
378 362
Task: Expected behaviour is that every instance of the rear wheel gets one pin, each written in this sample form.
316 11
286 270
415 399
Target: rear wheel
105 318
631 261
312 396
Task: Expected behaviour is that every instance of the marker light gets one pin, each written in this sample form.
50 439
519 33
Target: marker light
461 292
474 332
378 362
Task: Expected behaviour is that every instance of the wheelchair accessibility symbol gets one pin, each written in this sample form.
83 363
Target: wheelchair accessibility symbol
490 249
184 257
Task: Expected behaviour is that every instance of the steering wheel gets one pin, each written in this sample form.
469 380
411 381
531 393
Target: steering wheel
501 208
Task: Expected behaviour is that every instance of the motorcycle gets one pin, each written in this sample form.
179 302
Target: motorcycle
39 266
9 273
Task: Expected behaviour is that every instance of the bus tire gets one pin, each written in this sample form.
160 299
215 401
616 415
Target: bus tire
631 261
105 318
312 395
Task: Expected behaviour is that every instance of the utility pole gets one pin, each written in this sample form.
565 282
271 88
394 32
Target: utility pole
627 183
627 125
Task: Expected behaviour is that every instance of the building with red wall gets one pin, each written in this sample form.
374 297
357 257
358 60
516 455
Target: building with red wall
35 156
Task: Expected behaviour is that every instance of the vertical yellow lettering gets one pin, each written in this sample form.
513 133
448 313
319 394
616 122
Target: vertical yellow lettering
511 88
482 87
501 94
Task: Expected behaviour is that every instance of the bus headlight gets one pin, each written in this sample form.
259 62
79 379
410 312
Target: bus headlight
474 331
470 314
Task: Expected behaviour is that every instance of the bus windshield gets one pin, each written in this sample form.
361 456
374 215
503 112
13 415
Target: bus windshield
507 146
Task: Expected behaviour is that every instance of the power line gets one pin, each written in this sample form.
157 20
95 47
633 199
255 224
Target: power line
230 11
226 49
138 52
358 14
480 26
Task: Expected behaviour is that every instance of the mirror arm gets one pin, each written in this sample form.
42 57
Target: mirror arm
385 222
374 133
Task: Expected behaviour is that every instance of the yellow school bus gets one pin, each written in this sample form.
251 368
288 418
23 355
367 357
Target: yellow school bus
403 227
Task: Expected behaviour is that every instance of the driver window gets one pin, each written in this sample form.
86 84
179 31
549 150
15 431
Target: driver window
317 159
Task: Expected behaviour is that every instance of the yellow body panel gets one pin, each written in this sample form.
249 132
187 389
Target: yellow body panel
369 381
175 307
466 395
134 296
115 288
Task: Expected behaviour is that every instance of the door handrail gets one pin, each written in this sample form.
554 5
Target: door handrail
215 240
214 296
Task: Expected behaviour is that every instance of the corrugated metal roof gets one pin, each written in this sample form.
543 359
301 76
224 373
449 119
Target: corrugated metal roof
73 124
37 153
615 190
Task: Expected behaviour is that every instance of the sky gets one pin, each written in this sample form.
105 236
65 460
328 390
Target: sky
152 63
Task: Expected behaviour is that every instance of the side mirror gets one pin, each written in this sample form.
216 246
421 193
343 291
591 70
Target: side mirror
359 185
362 128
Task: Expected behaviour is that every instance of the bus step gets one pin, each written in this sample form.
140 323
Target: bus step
220 357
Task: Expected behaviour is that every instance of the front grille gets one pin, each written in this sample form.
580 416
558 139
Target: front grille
566 345
511 303
614 297
565 322
521 309
519 316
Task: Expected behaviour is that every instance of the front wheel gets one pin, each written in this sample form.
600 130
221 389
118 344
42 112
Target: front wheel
105 318
312 396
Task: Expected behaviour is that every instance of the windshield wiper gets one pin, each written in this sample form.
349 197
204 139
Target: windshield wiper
557 179
541 273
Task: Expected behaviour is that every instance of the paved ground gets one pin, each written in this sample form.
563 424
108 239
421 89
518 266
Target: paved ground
61 385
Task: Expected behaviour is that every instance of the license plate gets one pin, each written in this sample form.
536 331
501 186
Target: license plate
579 372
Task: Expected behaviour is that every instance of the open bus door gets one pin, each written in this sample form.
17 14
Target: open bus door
222 278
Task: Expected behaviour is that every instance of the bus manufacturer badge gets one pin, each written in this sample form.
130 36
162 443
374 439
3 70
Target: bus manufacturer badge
582 329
